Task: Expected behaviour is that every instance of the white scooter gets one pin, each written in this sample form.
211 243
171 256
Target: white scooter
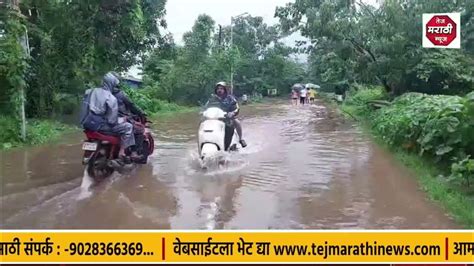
215 134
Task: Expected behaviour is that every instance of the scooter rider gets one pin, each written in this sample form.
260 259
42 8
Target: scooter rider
228 103
100 113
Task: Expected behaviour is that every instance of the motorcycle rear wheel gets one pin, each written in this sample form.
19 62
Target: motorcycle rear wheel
98 168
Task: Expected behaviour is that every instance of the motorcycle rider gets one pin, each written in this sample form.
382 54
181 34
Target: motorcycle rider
125 106
100 113
128 109
228 103
244 98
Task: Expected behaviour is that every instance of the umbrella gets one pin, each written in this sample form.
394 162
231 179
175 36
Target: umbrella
298 86
313 86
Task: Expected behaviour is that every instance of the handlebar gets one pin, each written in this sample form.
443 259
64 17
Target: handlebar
140 119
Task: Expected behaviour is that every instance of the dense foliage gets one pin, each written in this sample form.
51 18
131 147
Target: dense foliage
73 43
437 125
440 127
149 104
13 60
352 41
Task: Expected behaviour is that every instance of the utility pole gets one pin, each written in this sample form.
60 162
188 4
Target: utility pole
220 35
231 59
231 48
22 91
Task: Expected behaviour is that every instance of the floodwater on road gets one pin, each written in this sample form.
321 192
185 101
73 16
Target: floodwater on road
305 168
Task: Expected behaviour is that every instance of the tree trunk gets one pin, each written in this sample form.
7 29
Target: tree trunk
14 4
387 87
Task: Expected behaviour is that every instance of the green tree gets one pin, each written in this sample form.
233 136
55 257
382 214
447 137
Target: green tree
384 44
73 43
183 74
13 65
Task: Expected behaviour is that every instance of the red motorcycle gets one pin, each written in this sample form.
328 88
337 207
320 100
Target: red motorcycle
101 150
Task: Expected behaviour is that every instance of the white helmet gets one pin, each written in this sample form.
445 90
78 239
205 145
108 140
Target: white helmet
223 84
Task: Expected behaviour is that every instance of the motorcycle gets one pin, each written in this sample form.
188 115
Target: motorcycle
216 133
101 150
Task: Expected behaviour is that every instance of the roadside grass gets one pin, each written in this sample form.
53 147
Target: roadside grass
37 132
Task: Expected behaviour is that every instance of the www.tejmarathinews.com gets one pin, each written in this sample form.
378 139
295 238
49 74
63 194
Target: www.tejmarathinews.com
363 249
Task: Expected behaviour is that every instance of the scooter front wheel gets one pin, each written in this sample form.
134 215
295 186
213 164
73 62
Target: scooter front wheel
208 150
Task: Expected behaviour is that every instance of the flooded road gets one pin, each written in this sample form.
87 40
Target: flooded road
305 168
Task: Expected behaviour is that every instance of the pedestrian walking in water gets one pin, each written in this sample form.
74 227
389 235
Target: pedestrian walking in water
294 97
303 94
311 95
307 95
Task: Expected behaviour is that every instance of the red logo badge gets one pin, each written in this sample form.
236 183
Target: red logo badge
441 30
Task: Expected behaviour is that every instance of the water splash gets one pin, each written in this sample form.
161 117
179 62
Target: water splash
220 163
87 182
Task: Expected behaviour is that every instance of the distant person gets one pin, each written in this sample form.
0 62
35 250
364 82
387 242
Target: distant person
303 94
244 98
307 95
294 97
312 95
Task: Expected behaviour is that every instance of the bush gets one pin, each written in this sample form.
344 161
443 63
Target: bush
437 125
358 99
41 131
150 105
463 171
38 132
9 132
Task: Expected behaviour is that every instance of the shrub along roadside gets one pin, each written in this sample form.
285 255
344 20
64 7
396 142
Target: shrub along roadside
152 106
431 134
38 132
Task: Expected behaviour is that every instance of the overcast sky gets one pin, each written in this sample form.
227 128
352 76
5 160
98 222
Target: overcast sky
181 14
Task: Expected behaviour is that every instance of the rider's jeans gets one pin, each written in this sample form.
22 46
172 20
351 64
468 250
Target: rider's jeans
125 130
